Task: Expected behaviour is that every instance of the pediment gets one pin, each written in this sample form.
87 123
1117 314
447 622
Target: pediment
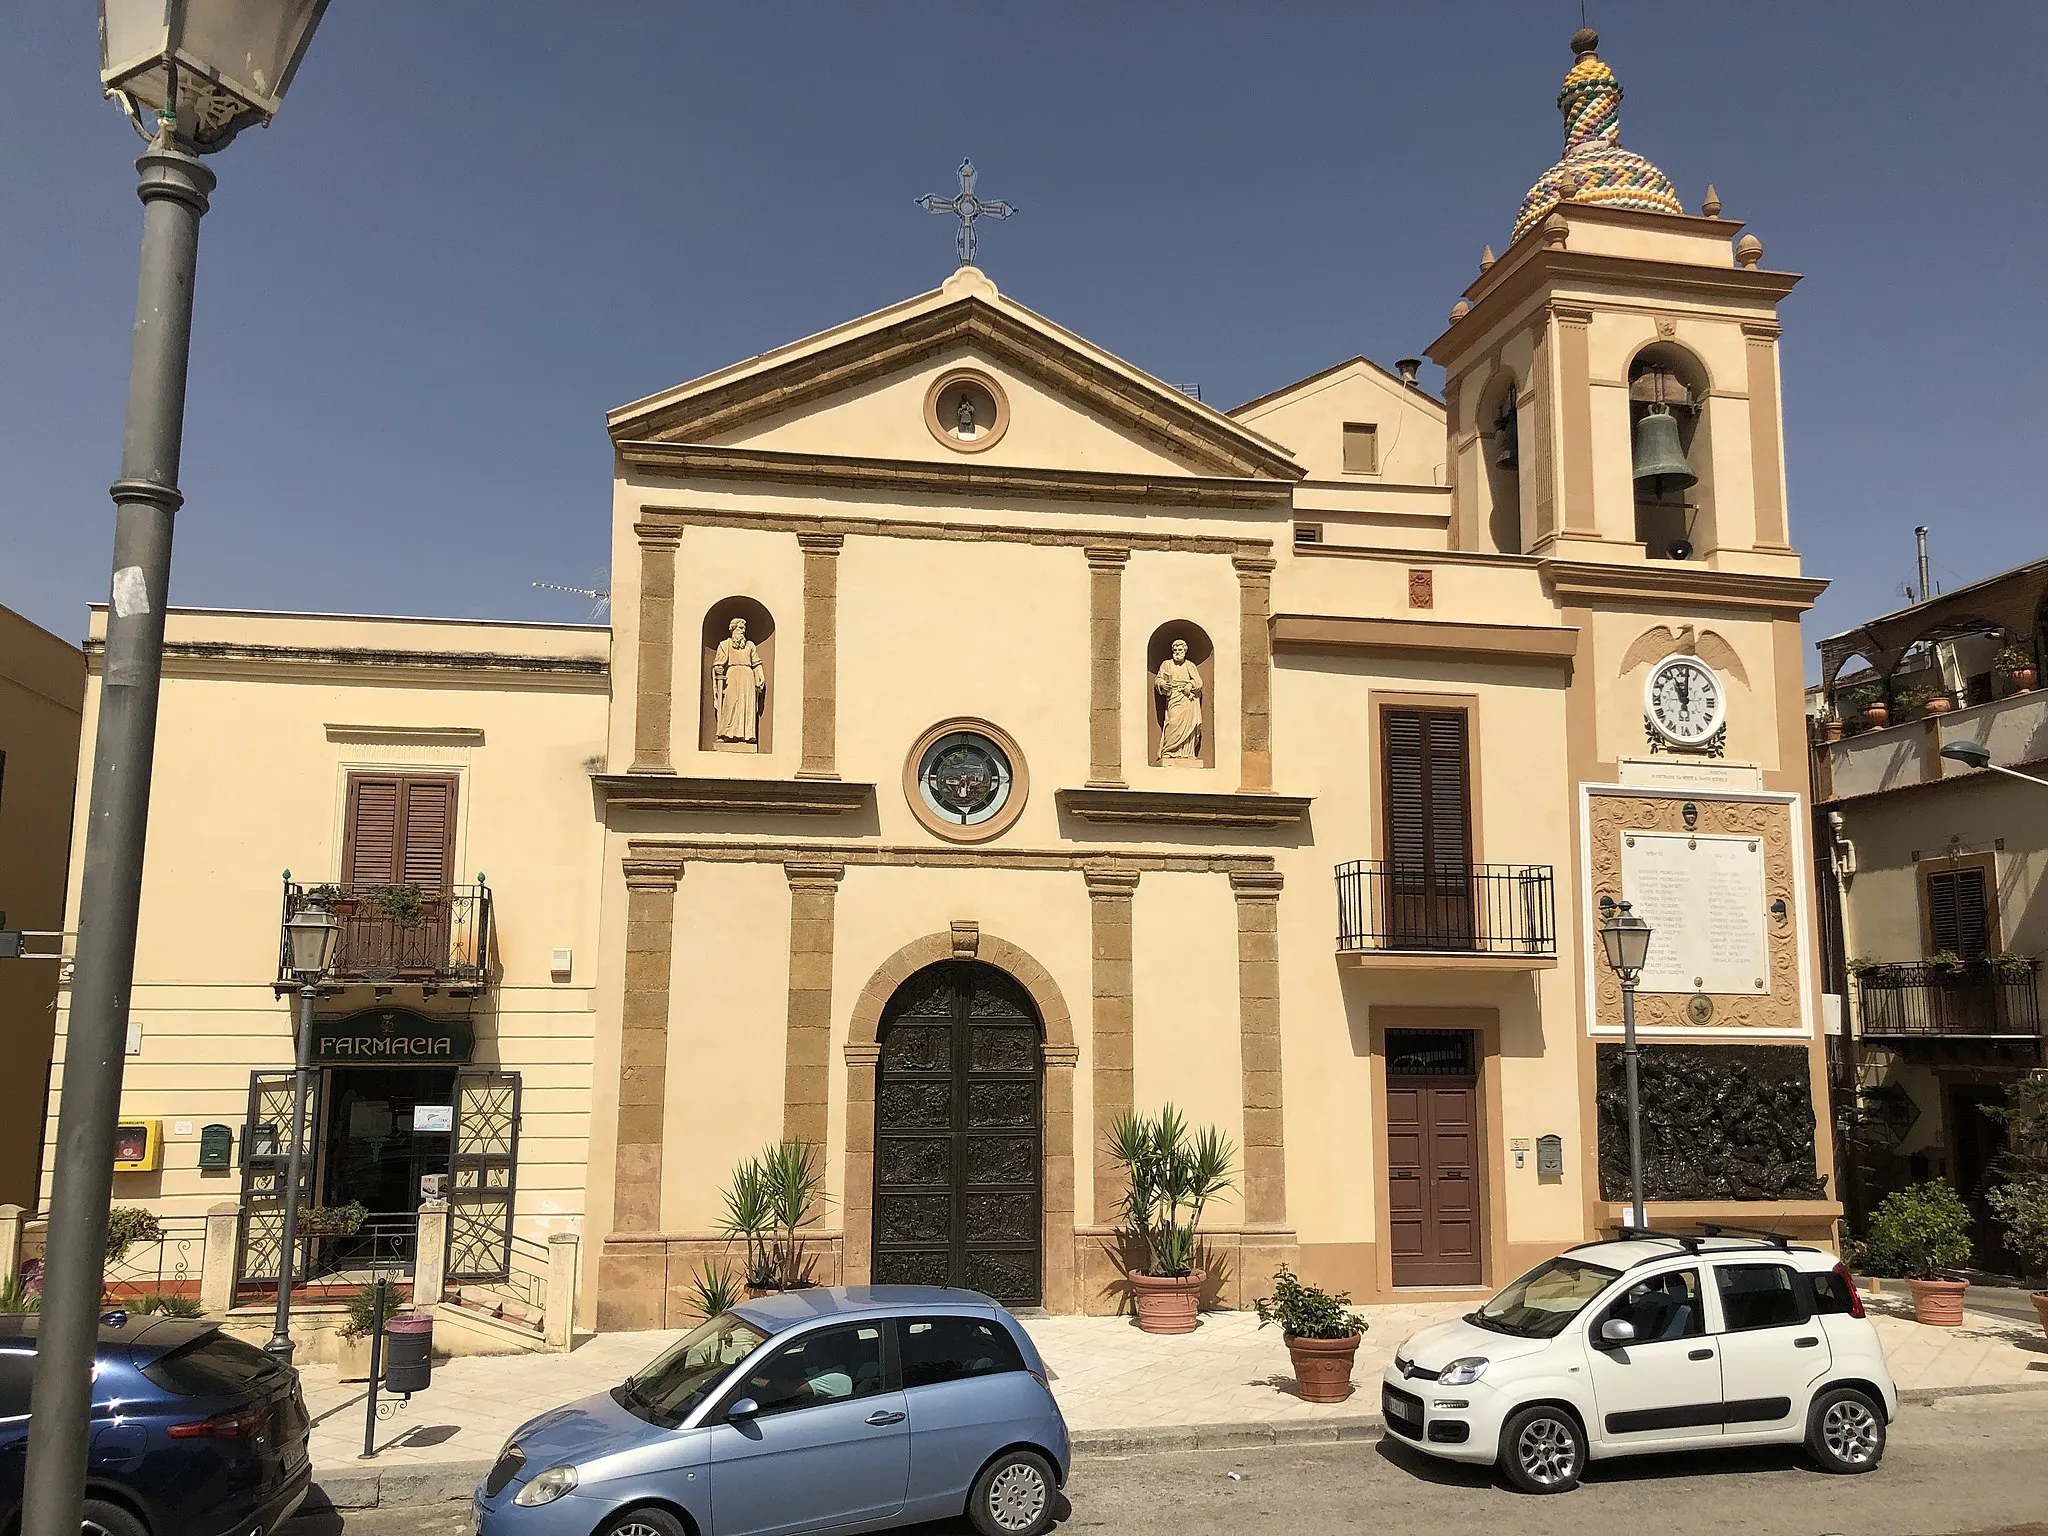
861 390
1308 417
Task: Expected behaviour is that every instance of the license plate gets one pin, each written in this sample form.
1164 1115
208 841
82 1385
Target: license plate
1401 1410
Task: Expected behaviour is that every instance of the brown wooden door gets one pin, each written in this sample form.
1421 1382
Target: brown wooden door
1428 829
959 1135
1433 1198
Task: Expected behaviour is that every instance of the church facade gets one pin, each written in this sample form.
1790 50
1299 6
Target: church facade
991 741
1110 751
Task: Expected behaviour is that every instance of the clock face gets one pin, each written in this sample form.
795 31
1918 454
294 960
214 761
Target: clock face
1685 701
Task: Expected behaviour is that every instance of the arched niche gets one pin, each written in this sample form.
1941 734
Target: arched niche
761 633
1202 653
1667 376
1500 451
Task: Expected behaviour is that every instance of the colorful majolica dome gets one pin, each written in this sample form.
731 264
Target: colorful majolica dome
1595 168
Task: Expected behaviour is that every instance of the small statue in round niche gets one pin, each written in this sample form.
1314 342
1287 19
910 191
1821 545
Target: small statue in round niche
738 682
963 415
1179 683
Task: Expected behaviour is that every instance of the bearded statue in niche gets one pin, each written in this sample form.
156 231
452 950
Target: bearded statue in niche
1179 684
738 683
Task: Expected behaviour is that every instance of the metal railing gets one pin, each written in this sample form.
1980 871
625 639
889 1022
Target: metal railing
170 1266
1913 999
400 933
1483 909
521 1296
388 1243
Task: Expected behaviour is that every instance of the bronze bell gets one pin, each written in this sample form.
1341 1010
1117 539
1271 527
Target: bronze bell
1660 460
1505 430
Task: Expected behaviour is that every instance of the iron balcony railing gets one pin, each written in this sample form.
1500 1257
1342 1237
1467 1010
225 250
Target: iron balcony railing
1914 1000
400 933
1459 909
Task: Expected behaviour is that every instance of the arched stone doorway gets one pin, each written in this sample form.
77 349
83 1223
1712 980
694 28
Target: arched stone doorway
959 1135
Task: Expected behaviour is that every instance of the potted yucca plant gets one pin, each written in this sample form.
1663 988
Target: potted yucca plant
1322 1334
1172 1172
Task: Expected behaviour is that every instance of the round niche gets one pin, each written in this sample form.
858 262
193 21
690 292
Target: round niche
965 780
966 410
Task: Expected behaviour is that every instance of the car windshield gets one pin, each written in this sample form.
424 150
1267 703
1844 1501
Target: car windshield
1542 1302
690 1369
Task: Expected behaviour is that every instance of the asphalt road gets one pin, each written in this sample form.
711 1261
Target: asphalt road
1966 1466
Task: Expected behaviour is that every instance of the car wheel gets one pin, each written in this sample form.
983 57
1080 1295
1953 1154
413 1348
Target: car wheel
1845 1431
104 1519
1543 1450
647 1520
1015 1495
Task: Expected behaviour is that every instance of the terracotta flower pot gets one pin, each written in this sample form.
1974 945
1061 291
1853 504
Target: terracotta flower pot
2040 1300
1833 730
1878 715
2023 679
1940 704
1938 1303
1322 1367
1167 1303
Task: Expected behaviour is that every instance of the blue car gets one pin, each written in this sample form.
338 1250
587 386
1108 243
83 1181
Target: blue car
194 1433
844 1409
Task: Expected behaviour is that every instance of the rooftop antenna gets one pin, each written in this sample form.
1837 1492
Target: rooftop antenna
600 598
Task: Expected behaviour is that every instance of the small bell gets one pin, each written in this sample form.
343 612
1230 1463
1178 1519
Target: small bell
1660 465
1505 429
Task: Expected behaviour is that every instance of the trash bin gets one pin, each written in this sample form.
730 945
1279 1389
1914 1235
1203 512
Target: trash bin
409 1353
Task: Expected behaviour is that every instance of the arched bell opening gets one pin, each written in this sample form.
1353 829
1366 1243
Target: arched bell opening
1671 435
1500 449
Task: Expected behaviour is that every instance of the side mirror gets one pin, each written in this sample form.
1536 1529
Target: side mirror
1617 1330
742 1408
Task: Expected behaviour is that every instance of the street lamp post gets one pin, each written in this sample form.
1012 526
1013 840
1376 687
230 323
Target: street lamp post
309 935
1973 755
1627 941
192 74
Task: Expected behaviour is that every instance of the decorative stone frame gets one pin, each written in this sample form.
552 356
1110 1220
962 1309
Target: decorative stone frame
965 941
1202 652
975 380
952 831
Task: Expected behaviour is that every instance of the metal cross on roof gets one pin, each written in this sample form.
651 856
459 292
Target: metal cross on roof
966 208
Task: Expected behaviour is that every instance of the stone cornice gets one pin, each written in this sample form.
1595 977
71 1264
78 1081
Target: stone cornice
1677 584
785 797
817 526
1517 644
674 853
360 663
944 478
1174 807
1146 408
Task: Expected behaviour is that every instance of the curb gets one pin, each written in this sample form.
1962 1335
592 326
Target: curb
347 1488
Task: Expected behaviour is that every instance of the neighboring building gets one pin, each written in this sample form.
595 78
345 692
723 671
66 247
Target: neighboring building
1001 740
1939 874
42 688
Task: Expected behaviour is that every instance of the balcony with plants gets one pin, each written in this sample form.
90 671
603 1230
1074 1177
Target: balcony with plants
1947 997
401 934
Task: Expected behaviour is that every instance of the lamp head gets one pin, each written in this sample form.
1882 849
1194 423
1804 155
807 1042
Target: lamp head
1969 753
1626 938
309 936
206 68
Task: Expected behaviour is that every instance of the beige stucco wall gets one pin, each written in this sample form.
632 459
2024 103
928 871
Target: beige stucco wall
42 689
255 740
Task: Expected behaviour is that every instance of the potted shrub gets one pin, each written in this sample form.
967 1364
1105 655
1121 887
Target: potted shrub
333 1220
1172 1172
1908 702
1923 1232
2010 965
404 905
1831 727
128 1225
1877 714
1944 961
717 1288
1322 1334
352 1347
2016 665
2021 1205
771 1199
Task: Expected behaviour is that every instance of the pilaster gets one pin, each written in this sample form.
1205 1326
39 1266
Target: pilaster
654 684
1109 922
1255 653
1258 1016
643 1047
821 654
1105 666
806 1092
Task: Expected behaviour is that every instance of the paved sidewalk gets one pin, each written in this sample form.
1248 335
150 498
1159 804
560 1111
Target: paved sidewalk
1229 1383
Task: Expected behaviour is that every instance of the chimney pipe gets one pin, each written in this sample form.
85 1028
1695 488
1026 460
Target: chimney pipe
1920 535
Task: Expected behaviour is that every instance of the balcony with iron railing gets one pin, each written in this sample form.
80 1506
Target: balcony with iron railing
1924 1000
1397 915
401 934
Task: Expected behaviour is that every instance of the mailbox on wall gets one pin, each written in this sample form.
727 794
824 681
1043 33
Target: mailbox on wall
138 1146
1550 1157
217 1146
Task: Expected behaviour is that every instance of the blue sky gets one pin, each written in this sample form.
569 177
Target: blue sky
475 227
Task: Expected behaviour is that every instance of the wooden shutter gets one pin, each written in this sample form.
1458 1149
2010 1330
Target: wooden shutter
1959 912
370 850
401 830
1428 815
427 856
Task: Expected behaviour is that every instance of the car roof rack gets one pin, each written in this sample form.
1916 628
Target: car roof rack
1689 1241
1722 1229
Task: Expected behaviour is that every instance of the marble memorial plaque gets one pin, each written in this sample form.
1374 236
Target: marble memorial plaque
1703 897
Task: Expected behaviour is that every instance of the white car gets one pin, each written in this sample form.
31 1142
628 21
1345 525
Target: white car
1652 1342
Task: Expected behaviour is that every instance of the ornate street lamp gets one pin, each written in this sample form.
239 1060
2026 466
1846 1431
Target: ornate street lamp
309 935
191 74
1627 940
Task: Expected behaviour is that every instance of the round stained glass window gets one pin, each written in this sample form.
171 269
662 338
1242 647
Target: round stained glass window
965 778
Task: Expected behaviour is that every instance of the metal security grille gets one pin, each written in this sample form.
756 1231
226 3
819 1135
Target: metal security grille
1429 1053
959 1135
483 1168
266 1145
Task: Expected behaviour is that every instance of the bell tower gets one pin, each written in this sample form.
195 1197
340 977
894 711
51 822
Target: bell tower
1612 379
